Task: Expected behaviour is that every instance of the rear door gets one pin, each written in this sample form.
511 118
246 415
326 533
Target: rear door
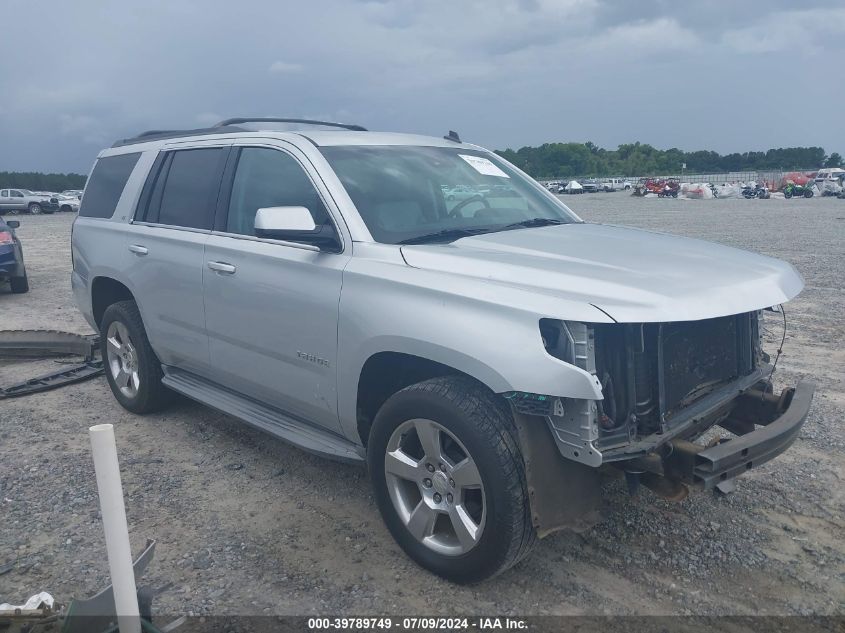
272 307
166 241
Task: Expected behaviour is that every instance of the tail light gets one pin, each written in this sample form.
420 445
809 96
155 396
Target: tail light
6 238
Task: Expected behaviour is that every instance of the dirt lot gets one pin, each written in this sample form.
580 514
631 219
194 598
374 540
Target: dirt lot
249 525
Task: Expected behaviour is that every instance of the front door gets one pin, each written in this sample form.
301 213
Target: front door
272 307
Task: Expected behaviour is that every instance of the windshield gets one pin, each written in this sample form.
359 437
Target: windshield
409 194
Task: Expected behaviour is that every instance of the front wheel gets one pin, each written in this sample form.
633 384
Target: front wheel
132 369
34 208
808 193
787 193
449 478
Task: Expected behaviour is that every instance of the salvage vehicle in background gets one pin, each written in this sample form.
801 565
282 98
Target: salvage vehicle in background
14 201
485 359
73 193
591 185
12 268
68 203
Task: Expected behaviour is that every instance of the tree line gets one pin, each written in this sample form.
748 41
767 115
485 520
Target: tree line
559 160
37 181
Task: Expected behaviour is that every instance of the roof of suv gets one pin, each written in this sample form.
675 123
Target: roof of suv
342 134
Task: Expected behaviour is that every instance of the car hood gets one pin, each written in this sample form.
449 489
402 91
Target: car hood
632 275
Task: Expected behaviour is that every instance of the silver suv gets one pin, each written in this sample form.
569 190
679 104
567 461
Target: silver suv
487 356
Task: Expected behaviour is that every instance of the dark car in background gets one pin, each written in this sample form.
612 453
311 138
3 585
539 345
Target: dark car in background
11 257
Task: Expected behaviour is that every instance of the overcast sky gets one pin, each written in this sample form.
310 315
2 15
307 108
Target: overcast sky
722 75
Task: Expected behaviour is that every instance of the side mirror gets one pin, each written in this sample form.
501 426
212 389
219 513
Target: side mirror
13 224
294 224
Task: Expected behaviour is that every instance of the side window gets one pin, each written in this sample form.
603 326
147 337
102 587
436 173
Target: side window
269 178
17 194
189 188
106 184
4 193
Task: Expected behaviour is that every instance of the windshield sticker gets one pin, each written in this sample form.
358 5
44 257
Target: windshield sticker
484 166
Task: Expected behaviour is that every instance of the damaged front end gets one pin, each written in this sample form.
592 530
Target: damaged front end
664 385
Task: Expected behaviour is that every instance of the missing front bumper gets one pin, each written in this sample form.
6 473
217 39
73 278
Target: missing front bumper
779 419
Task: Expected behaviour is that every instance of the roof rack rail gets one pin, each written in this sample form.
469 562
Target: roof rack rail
154 135
229 125
271 119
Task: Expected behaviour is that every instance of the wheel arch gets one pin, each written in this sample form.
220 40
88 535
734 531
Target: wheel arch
385 372
104 292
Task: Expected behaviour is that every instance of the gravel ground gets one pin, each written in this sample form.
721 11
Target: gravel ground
248 525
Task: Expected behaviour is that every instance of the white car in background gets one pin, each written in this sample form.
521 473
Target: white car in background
615 184
68 203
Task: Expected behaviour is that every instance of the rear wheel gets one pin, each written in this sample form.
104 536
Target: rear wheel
19 285
808 193
449 478
132 369
34 208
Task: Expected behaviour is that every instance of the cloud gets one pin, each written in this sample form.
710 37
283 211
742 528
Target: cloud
647 37
800 32
280 67
508 73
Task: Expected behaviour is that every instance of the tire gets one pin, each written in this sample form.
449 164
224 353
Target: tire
477 444
787 193
133 370
34 208
808 193
19 285
65 209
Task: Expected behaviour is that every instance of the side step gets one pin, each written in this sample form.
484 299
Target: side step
261 416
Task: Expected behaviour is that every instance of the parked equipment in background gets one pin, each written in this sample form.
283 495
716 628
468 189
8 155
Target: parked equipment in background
755 190
573 186
668 188
793 190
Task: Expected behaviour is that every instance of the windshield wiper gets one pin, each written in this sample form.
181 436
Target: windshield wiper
444 235
531 223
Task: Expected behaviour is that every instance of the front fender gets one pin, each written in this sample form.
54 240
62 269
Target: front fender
464 328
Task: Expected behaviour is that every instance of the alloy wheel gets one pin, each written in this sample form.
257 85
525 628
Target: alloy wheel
435 487
122 359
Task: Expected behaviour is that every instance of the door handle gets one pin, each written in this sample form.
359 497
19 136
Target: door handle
222 267
138 249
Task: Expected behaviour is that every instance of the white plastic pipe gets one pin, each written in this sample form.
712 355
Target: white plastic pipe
114 524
